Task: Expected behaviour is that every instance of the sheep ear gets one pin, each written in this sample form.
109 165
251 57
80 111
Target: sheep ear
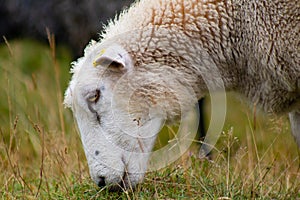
114 57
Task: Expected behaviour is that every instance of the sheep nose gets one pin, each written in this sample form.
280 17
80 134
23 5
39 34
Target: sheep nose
101 182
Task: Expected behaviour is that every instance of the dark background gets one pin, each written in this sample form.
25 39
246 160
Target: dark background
73 22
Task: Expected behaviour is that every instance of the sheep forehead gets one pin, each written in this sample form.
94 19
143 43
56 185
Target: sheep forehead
83 73
88 77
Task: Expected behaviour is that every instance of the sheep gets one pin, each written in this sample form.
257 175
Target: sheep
156 59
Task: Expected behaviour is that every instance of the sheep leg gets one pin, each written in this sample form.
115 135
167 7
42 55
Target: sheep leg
201 133
295 125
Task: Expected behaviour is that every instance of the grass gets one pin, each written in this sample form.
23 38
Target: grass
41 155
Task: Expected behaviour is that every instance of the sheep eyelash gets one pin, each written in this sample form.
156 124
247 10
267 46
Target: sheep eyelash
93 99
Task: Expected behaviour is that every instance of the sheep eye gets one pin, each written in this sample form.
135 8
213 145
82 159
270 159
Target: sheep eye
95 97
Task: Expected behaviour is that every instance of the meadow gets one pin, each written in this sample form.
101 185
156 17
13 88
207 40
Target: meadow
41 156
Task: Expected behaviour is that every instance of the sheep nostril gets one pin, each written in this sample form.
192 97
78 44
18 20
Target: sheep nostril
101 182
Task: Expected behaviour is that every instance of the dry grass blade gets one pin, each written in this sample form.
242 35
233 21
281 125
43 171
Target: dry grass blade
51 40
15 167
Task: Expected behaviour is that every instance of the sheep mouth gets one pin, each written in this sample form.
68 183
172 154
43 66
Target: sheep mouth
123 185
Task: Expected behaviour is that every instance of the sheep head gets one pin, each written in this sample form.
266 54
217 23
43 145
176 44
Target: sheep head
119 109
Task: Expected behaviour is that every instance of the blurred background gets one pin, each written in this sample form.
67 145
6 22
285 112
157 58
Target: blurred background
73 22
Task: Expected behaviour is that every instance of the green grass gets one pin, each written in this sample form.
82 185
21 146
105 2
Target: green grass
42 158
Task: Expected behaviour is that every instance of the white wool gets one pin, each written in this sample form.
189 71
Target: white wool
158 57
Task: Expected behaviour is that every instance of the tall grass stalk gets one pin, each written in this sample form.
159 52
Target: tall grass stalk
51 40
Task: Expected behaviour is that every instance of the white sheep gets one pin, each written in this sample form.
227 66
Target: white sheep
157 58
